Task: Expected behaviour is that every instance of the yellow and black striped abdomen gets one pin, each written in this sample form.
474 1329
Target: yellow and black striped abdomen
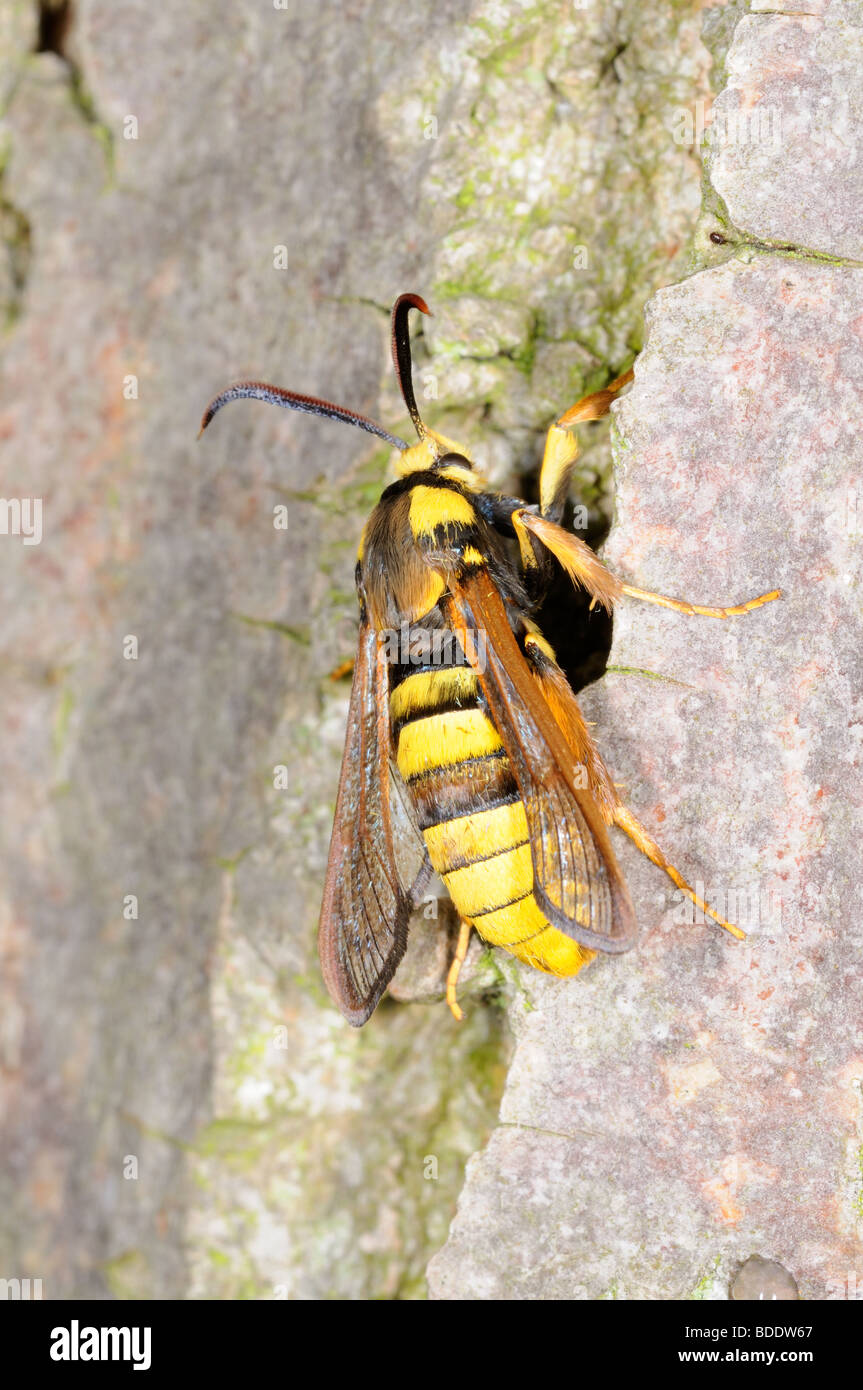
450 757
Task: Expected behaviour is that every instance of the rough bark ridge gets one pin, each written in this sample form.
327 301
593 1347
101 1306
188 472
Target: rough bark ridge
673 1113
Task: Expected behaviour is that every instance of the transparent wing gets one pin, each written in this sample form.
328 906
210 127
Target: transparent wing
377 865
577 882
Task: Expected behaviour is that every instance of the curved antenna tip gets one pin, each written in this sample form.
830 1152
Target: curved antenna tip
212 409
413 301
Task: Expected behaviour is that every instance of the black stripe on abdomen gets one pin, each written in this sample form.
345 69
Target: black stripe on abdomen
480 784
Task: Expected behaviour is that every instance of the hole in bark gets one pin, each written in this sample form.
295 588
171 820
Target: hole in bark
55 17
581 638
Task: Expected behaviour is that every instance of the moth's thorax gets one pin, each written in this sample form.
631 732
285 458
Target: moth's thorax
420 531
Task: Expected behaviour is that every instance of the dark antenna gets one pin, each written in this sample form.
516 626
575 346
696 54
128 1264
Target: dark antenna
291 400
402 353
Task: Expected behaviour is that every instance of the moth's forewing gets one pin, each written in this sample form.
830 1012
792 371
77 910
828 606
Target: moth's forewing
577 882
366 907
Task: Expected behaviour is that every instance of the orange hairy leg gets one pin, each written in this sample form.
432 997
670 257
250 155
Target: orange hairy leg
681 606
580 562
594 406
561 446
584 567
455 970
627 822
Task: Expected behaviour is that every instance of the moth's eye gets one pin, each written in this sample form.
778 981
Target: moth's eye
452 461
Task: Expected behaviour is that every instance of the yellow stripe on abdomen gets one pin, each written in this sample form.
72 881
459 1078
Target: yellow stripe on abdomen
443 740
554 952
424 690
491 883
522 930
499 868
479 835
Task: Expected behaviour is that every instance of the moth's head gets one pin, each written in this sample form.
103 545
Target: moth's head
432 452
437 454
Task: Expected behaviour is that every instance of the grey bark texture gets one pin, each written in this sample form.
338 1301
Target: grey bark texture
192 194
701 1101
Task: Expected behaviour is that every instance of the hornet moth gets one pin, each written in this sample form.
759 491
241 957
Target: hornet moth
460 712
